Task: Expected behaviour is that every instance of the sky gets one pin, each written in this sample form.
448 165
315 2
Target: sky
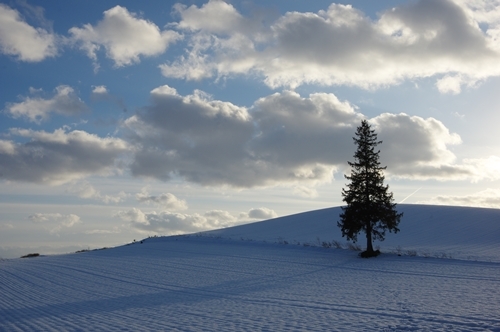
123 119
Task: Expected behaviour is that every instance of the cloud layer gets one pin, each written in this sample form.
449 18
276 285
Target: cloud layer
283 139
57 157
38 109
342 46
489 198
55 222
455 41
169 223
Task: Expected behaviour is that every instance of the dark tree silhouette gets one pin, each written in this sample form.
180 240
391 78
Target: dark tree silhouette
370 206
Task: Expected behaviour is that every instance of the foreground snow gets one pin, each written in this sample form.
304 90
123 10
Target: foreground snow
212 283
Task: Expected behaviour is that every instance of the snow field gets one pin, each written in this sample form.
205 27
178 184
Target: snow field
206 284
209 282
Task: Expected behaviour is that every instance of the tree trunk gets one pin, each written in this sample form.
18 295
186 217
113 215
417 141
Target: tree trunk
369 246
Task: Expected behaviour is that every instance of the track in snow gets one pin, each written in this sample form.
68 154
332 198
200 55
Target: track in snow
193 283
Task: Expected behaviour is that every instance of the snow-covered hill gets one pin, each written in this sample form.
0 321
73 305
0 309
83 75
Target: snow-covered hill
430 230
231 280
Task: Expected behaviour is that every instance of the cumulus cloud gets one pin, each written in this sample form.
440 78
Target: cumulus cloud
258 214
410 142
100 90
417 148
37 109
178 134
489 198
21 40
165 200
124 36
170 223
282 139
341 45
58 157
55 221
215 17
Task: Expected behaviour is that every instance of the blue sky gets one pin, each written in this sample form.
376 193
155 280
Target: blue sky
123 119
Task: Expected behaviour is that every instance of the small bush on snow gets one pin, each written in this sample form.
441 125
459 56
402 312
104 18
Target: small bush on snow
353 246
337 244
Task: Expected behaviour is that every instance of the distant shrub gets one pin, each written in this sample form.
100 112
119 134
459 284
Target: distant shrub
353 246
31 255
281 241
412 253
444 255
325 244
337 244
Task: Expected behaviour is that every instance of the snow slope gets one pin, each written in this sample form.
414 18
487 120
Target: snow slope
209 282
430 230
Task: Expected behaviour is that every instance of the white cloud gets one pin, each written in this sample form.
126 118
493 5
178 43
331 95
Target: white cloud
100 90
489 198
215 16
165 200
342 46
449 84
170 223
67 220
37 109
261 214
87 191
125 37
59 157
55 221
19 39
219 219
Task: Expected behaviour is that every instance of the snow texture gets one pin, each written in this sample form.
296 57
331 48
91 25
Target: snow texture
247 279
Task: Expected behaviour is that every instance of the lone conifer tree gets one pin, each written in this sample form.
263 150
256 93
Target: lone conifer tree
370 206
